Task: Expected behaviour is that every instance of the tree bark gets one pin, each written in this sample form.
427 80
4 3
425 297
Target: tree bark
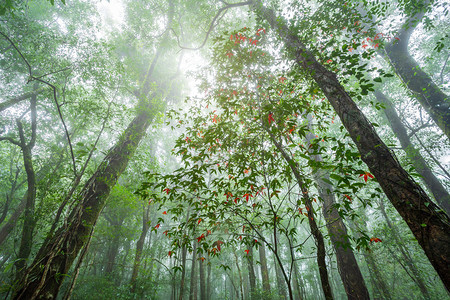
139 248
201 269
193 286
429 95
208 283
29 222
43 278
434 185
264 271
251 273
428 223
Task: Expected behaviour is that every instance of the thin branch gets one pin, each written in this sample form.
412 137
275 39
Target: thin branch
443 68
10 139
211 26
54 97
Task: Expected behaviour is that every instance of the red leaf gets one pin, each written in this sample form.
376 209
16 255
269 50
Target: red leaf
170 253
366 175
271 118
348 197
165 213
157 226
247 251
199 220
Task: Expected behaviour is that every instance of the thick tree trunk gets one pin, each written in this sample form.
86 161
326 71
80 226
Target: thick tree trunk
264 270
139 248
428 223
251 273
43 279
434 185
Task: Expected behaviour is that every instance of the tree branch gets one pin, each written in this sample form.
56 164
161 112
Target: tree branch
211 26
32 77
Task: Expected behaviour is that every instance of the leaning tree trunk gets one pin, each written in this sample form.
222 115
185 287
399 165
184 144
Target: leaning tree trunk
429 225
429 95
434 185
43 278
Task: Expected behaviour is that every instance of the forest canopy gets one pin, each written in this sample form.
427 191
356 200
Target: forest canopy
210 149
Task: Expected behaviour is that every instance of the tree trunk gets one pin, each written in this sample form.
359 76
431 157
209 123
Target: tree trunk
315 232
298 294
278 271
429 95
43 279
183 264
113 248
434 185
264 270
251 273
380 287
29 221
139 248
241 281
11 223
208 283
201 269
380 284
193 287
351 276
416 274
428 223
